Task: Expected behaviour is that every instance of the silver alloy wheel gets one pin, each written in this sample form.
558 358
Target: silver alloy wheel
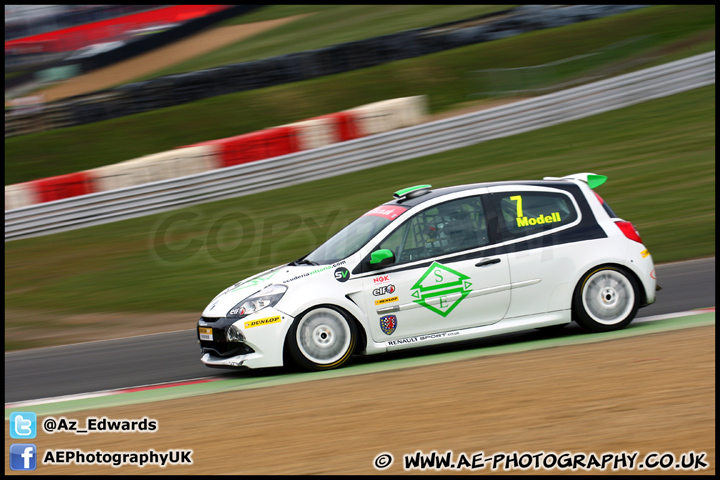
323 336
608 297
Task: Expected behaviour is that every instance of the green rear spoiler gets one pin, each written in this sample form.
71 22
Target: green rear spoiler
592 179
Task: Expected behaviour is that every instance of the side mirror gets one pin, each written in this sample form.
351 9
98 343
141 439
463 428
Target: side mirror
381 258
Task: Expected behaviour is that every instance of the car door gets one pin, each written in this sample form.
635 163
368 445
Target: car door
447 274
546 234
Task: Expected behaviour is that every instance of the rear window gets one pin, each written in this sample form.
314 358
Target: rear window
606 206
525 213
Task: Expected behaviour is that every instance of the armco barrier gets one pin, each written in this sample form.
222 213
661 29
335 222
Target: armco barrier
362 153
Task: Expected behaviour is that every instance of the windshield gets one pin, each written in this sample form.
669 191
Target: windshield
353 237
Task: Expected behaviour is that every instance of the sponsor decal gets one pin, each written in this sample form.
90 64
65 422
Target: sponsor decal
388 324
342 274
540 220
205 333
384 290
386 300
317 270
382 279
421 338
262 321
254 281
523 221
645 253
438 282
389 212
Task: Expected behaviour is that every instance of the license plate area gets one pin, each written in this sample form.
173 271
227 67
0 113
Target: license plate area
205 333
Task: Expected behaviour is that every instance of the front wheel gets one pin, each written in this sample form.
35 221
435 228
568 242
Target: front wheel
606 299
322 339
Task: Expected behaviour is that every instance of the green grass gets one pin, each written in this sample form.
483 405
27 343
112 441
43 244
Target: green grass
325 25
659 156
676 31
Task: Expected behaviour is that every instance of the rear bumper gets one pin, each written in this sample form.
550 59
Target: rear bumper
644 268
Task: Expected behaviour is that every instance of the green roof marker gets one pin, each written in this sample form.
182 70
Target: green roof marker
405 191
596 180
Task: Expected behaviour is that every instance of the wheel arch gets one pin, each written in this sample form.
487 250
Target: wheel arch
624 268
579 311
361 343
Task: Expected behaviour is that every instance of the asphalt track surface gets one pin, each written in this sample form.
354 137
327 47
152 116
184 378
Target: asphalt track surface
170 357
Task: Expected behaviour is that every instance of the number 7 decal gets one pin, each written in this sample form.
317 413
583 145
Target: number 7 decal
518 198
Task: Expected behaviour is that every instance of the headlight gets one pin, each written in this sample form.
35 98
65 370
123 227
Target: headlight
267 297
234 334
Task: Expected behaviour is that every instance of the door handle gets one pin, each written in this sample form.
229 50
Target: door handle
487 262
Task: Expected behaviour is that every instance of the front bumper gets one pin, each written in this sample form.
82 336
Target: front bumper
236 362
263 338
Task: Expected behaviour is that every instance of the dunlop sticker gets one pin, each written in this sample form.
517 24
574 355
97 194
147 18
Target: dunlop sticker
386 300
262 321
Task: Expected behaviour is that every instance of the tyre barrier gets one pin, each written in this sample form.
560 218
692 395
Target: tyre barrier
316 132
62 186
153 168
390 114
345 124
251 147
187 160
19 195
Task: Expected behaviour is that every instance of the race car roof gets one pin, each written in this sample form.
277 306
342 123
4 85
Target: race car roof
439 192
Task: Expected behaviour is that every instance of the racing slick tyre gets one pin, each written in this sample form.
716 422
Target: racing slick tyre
606 299
322 338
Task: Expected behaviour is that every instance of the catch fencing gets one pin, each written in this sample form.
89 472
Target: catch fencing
362 153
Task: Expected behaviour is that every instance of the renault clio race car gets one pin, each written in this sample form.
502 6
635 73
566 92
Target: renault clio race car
439 265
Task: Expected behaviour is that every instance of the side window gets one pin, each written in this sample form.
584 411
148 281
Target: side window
525 213
445 228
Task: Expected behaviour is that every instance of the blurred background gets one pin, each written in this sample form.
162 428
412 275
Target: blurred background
103 101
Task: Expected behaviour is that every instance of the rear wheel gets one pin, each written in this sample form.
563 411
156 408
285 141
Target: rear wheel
606 299
322 339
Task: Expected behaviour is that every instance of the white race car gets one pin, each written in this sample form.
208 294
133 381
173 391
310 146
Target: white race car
439 265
